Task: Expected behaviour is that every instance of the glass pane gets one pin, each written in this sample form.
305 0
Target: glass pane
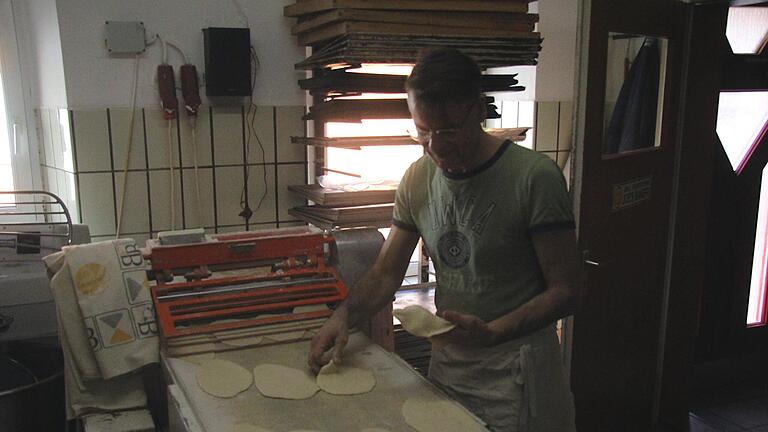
6 168
634 88
757 290
747 29
742 118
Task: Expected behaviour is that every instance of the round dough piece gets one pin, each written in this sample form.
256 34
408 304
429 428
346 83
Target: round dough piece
438 415
281 382
222 378
345 380
420 322
247 427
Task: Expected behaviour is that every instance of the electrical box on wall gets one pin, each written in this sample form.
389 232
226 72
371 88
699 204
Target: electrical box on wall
227 61
125 37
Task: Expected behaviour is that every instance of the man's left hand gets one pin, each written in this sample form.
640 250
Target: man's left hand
470 331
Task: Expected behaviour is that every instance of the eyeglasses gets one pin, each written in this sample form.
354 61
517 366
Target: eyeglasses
425 136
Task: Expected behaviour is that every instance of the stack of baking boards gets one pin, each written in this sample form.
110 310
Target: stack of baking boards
351 32
376 215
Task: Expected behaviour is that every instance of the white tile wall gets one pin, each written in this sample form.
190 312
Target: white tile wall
203 138
289 123
91 141
136 209
157 139
120 121
97 203
192 210
160 187
229 184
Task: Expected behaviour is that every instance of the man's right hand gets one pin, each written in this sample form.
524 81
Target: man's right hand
332 335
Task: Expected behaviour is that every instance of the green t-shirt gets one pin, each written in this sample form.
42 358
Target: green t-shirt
477 226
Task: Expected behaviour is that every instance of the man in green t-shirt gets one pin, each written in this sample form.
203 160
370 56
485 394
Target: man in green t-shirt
497 222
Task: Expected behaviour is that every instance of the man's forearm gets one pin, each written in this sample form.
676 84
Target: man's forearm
371 292
535 314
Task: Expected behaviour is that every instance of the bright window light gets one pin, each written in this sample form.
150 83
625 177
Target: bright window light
6 168
756 313
747 29
742 118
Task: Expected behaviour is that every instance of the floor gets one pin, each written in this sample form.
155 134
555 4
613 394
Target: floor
736 407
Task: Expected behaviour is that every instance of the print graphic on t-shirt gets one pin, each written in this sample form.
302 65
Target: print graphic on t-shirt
454 249
461 212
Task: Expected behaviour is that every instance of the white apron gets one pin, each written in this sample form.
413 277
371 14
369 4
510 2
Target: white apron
516 386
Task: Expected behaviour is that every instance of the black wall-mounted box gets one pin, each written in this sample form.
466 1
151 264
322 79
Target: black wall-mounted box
227 61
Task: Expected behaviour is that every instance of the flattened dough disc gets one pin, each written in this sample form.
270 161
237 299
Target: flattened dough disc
438 416
277 381
420 322
222 378
345 380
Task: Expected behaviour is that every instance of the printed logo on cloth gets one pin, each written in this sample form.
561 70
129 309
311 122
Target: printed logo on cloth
144 317
454 249
90 279
115 328
136 286
129 255
91 333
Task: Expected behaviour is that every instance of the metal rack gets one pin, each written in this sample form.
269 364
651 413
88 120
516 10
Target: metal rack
48 217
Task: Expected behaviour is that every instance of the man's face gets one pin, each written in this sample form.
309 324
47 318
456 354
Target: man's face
446 132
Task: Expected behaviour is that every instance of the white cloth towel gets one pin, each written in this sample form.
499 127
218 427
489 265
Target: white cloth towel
107 324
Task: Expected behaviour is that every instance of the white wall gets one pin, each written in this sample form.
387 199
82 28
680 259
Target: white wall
44 54
95 80
557 59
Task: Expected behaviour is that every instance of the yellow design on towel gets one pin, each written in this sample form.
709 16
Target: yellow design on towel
89 278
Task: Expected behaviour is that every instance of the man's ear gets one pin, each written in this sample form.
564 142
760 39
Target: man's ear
483 108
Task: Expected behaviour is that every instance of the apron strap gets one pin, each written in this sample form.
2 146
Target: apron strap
527 377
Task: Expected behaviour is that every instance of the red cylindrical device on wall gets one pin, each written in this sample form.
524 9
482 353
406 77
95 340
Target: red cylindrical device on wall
167 87
190 90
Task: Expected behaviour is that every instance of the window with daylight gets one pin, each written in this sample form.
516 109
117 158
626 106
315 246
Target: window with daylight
6 167
747 29
756 309
742 119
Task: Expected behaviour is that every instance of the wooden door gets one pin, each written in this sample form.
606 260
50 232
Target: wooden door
624 202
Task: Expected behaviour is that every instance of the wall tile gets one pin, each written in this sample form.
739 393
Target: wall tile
91 140
546 126
256 184
97 202
157 139
288 175
160 187
229 183
66 140
264 128
120 118
51 180
566 125
58 149
292 223
203 138
191 208
136 208
232 229
70 184
45 129
228 135
288 123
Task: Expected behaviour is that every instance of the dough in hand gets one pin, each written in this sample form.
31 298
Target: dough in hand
247 427
345 380
438 415
420 322
282 382
222 378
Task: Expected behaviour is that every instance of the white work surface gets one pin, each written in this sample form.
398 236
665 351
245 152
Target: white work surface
396 381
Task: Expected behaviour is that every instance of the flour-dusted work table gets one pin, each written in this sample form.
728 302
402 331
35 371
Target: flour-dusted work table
192 410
